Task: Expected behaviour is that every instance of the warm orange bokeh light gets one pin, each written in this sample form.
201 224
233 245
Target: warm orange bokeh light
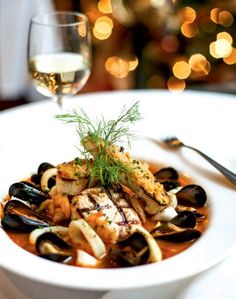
225 18
225 35
188 14
117 67
220 48
133 62
189 29
231 59
105 6
199 64
215 15
181 70
176 85
103 28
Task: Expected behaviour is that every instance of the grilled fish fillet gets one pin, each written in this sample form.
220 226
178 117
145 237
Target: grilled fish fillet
72 177
139 179
107 212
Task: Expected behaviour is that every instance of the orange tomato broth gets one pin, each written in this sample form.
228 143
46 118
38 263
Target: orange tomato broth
168 248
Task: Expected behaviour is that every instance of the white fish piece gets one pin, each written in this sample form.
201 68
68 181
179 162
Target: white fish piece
110 217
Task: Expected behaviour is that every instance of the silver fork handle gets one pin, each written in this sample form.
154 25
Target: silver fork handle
226 172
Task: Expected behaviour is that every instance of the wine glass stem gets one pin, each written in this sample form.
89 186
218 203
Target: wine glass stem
59 100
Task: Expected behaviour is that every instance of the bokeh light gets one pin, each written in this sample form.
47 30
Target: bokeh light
176 85
231 59
225 35
225 18
215 15
133 62
199 64
117 67
189 29
105 6
181 70
188 14
103 28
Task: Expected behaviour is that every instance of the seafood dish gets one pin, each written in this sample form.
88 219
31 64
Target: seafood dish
104 208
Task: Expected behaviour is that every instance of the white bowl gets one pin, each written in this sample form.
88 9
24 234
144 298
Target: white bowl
31 135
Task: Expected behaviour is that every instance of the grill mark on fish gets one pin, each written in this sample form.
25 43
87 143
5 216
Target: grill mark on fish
104 207
124 219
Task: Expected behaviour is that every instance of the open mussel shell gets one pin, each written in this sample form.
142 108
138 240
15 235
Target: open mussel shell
173 233
167 173
169 185
192 195
15 206
28 193
53 239
21 223
185 219
52 247
130 252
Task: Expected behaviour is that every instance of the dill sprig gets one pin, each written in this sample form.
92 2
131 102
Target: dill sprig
104 169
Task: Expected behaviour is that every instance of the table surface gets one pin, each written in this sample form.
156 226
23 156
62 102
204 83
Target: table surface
217 282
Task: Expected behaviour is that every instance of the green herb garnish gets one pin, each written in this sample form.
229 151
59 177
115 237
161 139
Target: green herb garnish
104 169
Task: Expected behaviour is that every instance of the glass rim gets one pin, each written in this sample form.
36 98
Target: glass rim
35 19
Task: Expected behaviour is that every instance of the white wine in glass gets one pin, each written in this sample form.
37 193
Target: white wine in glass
59 53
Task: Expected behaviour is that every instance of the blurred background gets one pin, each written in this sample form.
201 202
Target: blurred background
137 44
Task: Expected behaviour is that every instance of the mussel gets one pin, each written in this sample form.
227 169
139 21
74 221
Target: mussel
19 217
184 219
173 233
52 247
167 173
192 195
36 178
21 223
27 192
137 249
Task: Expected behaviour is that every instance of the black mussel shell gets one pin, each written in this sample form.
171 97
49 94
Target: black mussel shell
124 258
169 185
192 194
43 167
184 219
183 235
167 173
18 207
20 223
56 257
27 193
53 239
36 179
135 241
130 251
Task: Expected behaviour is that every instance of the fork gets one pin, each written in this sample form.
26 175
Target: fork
174 142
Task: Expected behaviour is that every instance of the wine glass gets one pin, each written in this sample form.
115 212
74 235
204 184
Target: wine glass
59 53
